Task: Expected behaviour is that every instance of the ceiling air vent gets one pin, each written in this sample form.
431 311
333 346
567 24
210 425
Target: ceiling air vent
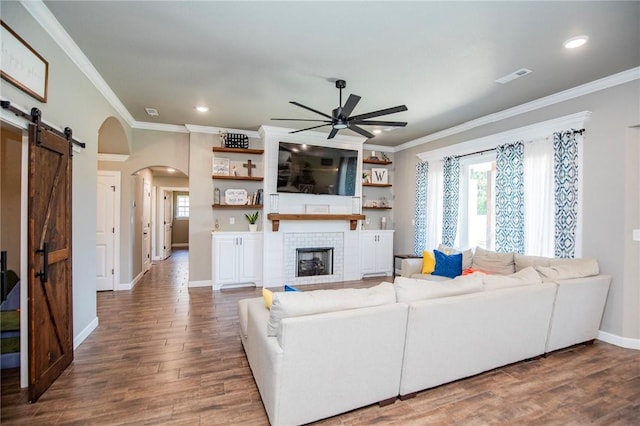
516 74
152 112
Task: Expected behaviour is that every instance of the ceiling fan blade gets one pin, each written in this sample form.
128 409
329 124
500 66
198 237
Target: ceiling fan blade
351 103
362 131
300 119
309 128
311 109
386 111
333 133
379 123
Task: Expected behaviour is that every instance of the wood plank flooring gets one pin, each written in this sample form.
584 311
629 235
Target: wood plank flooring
165 354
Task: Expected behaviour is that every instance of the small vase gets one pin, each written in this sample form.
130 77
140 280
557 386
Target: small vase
253 227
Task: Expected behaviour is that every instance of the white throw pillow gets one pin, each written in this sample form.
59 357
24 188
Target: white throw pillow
411 289
527 276
570 268
300 303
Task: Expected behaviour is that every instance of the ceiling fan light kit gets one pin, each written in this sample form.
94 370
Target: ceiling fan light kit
341 118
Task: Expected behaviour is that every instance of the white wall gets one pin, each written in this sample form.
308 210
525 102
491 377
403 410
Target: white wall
609 202
73 101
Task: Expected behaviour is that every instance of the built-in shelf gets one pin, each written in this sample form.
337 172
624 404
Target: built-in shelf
376 208
238 150
379 185
237 207
275 218
252 178
380 162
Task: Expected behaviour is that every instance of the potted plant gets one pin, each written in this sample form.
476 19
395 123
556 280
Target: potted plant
252 218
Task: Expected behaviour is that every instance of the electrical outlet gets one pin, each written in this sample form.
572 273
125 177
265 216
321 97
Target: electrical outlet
413 222
232 221
636 235
368 221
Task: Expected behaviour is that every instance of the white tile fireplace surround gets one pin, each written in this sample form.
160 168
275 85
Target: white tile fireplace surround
302 240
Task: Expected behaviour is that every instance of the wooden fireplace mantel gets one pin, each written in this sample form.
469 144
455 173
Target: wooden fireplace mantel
275 218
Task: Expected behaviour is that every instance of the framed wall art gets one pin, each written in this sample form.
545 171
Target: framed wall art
220 167
22 66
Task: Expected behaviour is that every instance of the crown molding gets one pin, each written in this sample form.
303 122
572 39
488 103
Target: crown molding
526 133
116 158
194 128
381 148
50 24
160 127
575 92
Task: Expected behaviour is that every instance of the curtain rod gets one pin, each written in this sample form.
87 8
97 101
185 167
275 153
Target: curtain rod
35 116
573 132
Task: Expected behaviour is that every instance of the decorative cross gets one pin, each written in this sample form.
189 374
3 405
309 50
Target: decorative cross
249 166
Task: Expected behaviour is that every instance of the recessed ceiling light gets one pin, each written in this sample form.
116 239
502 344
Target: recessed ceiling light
377 131
202 108
574 42
152 112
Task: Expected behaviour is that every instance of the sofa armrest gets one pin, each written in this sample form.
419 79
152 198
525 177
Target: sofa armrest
577 312
410 266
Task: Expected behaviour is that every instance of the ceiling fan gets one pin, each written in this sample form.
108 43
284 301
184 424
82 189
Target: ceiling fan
341 118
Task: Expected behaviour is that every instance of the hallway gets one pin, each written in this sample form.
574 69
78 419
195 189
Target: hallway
165 354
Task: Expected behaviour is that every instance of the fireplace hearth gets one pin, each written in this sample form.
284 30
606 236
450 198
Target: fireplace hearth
314 261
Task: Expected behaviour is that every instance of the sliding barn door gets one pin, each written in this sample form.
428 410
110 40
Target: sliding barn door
49 246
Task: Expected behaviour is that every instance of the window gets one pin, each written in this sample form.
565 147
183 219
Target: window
182 206
477 202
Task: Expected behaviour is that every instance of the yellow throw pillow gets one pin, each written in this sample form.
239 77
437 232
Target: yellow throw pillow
428 262
268 297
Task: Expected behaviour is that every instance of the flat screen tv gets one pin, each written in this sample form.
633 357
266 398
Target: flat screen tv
312 169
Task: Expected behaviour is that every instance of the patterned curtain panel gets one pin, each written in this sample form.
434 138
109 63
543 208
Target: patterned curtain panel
510 198
566 192
451 192
420 230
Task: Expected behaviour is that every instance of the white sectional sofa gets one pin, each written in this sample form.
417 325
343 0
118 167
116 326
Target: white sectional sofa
318 364
320 353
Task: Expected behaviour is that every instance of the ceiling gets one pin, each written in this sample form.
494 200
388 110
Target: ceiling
247 60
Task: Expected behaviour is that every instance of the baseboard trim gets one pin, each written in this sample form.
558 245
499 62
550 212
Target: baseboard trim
180 245
85 333
205 283
623 342
132 284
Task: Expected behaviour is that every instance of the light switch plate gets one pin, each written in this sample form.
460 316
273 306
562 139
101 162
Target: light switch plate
636 235
232 221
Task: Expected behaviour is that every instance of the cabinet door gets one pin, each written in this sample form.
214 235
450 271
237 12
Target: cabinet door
250 259
225 259
384 253
368 255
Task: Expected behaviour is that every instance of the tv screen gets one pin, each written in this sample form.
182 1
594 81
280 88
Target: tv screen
312 169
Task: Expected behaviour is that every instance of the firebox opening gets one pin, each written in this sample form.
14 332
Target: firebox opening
314 261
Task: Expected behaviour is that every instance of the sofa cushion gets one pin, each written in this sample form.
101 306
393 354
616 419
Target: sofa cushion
294 304
527 276
493 262
563 269
411 289
522 261
467 255
428 262
447 265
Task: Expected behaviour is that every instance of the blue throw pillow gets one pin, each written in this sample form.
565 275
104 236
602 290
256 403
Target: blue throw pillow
288 287
447 266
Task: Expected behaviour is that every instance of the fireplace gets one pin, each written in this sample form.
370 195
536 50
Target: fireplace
314 261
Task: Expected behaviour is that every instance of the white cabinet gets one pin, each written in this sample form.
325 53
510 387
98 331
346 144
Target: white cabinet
236 258
376 252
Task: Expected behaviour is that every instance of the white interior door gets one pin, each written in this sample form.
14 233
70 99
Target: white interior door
168 222
146 225
105 233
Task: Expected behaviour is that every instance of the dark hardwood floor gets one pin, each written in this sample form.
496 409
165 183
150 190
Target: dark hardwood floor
166 354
